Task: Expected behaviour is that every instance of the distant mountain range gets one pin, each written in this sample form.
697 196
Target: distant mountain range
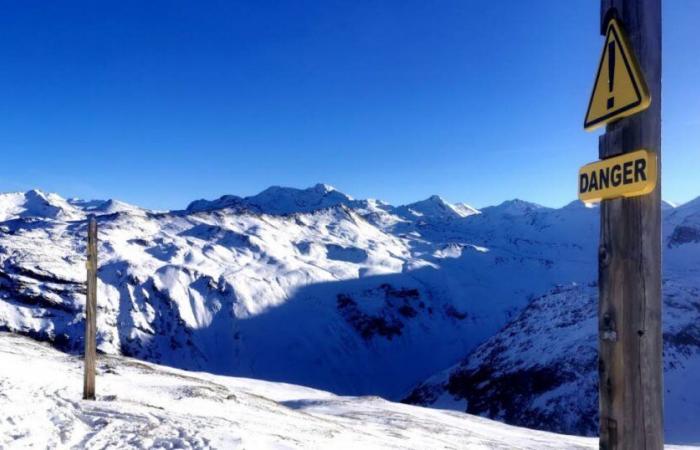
313 287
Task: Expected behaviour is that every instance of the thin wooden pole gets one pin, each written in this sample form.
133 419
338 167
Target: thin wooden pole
629 274
91 312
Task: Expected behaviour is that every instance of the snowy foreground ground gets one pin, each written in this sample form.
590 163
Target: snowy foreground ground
149 406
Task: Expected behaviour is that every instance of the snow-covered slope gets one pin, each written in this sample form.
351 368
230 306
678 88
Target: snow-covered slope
148 406
540 370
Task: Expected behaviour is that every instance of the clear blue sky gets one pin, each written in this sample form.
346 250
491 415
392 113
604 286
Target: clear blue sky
161 102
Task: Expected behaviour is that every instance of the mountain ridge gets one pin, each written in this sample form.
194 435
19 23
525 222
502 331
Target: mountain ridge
261 203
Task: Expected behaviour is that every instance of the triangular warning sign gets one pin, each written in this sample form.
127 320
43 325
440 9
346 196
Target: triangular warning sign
619 90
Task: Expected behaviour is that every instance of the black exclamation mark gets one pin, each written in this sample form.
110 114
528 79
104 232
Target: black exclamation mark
611 72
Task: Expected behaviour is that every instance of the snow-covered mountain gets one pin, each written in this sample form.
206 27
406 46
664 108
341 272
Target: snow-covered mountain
540 370
435 207
36 204
279 200
307 286
318 290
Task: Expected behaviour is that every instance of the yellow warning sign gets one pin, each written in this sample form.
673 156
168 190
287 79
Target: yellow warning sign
619 90
628 175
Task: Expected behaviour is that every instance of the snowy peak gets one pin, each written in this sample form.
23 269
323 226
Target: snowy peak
515 207
36 203
225 201
43 205
100 207
322 188
286 200
279 200
437 208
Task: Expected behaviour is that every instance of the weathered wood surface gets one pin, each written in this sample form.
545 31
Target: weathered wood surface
630 334
91 313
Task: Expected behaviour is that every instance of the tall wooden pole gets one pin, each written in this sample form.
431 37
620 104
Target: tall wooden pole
91 312
630 334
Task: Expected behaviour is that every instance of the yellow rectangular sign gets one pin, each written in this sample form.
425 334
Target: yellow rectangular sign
627 175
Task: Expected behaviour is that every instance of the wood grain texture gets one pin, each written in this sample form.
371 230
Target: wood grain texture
91 313
630 334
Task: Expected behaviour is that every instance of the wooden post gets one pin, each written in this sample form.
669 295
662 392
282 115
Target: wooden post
629 267
91 312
